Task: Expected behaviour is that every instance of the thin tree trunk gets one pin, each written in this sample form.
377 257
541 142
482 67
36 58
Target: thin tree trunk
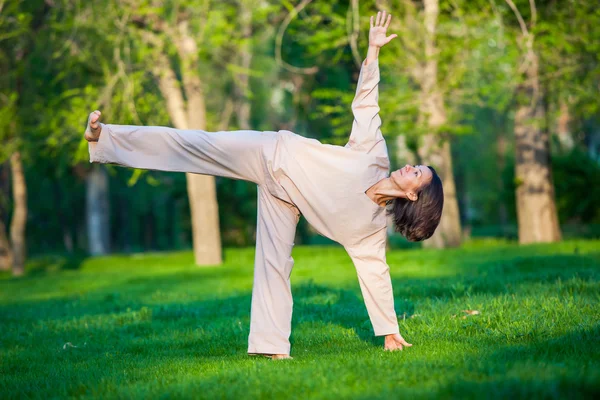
536 209
19 218
97 210
434 150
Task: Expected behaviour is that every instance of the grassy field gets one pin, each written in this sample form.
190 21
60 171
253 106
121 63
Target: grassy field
154 325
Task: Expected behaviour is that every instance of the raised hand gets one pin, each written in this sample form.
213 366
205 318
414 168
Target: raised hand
93 129
377 33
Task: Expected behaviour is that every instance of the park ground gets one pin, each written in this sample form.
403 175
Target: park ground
154 325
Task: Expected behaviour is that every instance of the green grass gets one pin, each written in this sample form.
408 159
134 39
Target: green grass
154 325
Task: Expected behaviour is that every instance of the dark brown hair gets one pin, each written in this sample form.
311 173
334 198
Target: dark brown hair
417 220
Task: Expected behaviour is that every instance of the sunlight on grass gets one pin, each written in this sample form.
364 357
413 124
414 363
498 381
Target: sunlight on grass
149 325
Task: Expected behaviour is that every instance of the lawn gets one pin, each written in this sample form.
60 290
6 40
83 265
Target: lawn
155 325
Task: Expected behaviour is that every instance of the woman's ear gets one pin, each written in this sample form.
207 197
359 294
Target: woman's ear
412 196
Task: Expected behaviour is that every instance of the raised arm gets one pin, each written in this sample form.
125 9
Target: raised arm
366 134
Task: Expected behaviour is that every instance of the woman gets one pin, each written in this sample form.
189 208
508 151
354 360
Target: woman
341 191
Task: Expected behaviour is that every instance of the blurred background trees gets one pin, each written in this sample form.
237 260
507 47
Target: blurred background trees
500 96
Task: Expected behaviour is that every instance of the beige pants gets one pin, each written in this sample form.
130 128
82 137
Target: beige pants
239 155
271 312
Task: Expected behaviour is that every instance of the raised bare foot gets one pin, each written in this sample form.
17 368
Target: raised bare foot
93 129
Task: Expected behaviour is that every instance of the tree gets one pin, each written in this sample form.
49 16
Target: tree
179 45
420 106
536 208
21 22
435 149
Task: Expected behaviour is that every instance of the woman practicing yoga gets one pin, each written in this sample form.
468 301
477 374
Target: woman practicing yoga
341 191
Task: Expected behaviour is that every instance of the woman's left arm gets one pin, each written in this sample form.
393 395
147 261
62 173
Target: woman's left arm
375 282
376 287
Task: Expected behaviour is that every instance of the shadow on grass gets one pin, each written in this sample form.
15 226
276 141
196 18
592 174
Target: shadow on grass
52 263
312 302
499 275
530 370
116 329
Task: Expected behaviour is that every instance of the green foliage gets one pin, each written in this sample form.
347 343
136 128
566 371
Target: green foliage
7 114
155 325
567 39
59 62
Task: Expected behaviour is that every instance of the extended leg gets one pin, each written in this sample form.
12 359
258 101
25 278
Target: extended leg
271 313
232 154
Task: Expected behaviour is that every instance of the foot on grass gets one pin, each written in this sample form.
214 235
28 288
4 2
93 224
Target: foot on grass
273 356
93 129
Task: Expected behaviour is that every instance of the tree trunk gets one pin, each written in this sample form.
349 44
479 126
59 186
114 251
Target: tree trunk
448 233
97 210
19 218
536 209
435 150
201 189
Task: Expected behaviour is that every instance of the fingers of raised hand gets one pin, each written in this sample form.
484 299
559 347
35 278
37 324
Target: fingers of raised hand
382 20
389 19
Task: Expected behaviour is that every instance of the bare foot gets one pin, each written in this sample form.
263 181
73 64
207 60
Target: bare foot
273 356
93 129
280 357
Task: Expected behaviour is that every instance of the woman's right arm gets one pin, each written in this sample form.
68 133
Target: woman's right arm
366 131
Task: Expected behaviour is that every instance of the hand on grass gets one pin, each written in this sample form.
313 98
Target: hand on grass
395 342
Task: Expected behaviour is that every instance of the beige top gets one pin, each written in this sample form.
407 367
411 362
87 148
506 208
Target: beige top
328 183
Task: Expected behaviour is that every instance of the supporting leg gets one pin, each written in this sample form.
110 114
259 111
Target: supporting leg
271 313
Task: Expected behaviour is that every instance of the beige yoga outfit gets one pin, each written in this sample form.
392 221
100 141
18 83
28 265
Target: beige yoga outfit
294 174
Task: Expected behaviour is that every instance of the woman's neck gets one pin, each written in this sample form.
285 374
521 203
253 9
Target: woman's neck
383 191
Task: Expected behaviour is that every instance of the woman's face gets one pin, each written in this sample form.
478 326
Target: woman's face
411 178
